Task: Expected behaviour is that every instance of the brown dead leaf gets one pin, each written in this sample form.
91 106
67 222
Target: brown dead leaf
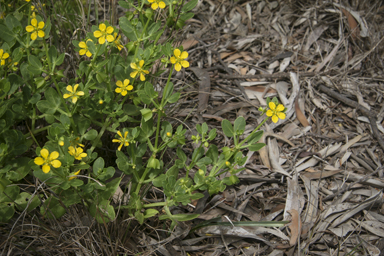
300 116
352 23
189 43
294 227
204 87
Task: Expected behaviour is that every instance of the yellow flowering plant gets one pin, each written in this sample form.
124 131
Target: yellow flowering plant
107 104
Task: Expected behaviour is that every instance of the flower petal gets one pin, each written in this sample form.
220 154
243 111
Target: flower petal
129 88
177 53
119 83
46 168
281 115
162 5
89 54
44 153
97 34
177 66
56 163
110 30
133 74
184 55
102 40
34 36
80 93
126 82
125 134
272 105
269 112
141 63
119 133
75 87
275 118
69 88
41 33
110 38
184 63
34 22
74 99
66 95
29 28
102 27
118 90
41 25
142 77
173 60
82 51
82 44
280 108
119 148
133 65
39 161
53 155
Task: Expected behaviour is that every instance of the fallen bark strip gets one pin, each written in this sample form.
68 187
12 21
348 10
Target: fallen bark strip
278 75
369 113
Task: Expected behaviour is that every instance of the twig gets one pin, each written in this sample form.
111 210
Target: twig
369 113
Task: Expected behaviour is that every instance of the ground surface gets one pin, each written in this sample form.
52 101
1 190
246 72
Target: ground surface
322 166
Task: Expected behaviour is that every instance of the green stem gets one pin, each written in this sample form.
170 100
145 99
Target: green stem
255 130
140 183
106 124
155 204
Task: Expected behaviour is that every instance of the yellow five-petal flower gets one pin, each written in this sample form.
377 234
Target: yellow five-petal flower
74 177
123 88
178 59
3 56
156 4
47 160
117 41
76 152
36 29
139 70
73 94
275 112
122 140
104 33
84 49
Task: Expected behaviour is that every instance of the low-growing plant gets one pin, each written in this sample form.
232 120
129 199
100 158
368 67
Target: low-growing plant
65 119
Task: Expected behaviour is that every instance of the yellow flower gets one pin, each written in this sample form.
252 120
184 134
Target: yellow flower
72 174
122 140
117 42
2 15
276 112
33 16
76 143
139 70
104 33
156 4
36 29
73 94
84 49
32 7
3 56
48 159
124 88
178 59
101 102
27 1
76 152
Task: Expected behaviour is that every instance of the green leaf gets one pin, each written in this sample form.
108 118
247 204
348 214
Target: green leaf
182 156
20 169
9 194
127 28
103 212
16 81
255 137
213 153
150 213
122 162
110 189
52 54
256 147
139 216
146 113
90 135
98 166
6 34
227 128
189 6
6 209
204 162
24 199
52 208
52 97
239 125
180 217
35 62
60 59
174 98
